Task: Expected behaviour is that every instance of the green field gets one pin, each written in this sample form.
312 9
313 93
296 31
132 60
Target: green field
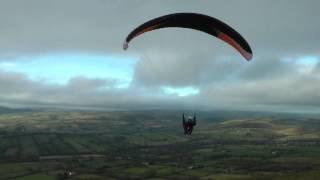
151 145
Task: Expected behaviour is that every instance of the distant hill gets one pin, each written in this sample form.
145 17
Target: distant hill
7 110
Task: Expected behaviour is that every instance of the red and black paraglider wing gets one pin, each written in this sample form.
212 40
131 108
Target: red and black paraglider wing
199 22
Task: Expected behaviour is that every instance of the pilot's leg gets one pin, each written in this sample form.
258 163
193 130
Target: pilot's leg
191 129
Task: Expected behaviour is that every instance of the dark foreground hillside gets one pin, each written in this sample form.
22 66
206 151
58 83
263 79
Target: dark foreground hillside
151 145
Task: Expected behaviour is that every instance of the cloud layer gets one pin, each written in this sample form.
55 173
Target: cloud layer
282 35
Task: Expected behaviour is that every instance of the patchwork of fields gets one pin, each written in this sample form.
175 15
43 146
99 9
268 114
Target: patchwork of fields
151 145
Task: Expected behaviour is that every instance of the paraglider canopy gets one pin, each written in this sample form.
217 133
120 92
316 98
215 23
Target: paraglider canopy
199 22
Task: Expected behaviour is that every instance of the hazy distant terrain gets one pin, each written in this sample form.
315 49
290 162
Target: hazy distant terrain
151 145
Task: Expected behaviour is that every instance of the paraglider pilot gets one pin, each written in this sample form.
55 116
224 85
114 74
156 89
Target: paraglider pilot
188 124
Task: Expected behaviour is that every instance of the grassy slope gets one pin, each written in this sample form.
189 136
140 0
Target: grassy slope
151 145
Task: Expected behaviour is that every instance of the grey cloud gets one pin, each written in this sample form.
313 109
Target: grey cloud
299 90
200 69
19 90
185 70
317 68
174 57
170 69
265 67
38 26
83 84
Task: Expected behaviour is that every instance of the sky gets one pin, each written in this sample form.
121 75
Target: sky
69 54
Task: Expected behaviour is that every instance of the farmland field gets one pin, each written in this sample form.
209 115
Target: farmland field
56 144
